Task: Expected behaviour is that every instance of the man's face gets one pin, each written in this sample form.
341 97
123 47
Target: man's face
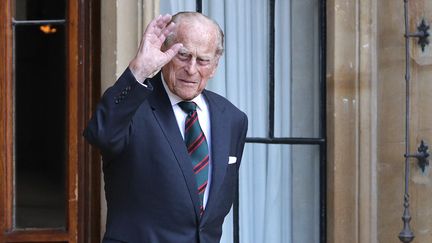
188 72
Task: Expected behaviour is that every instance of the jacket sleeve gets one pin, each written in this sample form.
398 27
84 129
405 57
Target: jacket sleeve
242 139
110 126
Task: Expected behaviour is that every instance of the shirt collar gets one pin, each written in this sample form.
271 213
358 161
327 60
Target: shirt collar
175 99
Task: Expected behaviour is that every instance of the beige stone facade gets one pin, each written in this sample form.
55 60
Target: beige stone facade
365 111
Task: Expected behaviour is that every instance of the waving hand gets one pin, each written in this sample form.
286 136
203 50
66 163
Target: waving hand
150 58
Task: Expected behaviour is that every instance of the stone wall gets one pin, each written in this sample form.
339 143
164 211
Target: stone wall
366 121
391 96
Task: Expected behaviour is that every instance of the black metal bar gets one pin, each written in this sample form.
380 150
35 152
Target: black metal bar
199 6
417 34
323 122
323 193
407 92
406 235
236 213
38 22
292 140
271 68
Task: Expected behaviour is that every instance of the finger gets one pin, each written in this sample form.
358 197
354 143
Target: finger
167 31
162 21
153 24
170 28
166 18
161 25
151 27
170 53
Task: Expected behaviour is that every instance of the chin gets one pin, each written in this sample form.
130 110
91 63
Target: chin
187 95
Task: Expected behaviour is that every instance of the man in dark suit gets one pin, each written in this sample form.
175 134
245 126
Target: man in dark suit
171 149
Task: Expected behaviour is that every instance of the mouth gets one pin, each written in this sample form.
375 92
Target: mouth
186 81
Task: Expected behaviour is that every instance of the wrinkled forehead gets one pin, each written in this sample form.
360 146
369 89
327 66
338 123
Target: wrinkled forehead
197 36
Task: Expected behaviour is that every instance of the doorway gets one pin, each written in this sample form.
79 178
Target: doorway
49 186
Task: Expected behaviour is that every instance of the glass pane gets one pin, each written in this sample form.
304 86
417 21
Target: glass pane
40 9
279 194
305 193
40 137
297 93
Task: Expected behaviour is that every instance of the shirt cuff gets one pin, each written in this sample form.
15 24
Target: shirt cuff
143 84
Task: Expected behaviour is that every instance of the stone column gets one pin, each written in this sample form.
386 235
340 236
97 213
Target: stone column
122 25
352 121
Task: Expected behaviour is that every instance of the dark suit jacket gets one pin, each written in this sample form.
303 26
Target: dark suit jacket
150 188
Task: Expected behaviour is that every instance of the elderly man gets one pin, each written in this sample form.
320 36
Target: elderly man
171 149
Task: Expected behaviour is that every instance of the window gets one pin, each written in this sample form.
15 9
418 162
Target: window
274 70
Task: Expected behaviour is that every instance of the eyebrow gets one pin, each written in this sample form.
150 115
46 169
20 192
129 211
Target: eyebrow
184 50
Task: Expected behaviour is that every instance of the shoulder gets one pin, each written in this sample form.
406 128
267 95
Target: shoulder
223 104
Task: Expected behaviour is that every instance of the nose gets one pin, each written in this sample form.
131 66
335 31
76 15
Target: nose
191 67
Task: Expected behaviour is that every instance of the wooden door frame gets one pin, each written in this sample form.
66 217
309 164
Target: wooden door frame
5 118
83 163
89 166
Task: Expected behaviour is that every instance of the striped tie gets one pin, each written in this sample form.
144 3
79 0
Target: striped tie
197 147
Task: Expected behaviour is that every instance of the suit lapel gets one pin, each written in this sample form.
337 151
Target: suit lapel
164 115
219 150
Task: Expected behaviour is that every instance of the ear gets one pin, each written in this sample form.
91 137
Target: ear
215 67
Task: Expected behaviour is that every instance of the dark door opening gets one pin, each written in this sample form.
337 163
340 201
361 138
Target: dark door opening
40 139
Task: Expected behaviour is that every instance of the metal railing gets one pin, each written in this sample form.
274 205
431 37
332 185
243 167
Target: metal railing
407 235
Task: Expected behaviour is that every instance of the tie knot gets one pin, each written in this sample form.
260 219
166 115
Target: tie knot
187 106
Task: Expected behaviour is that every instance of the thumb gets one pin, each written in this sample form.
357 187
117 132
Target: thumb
170 53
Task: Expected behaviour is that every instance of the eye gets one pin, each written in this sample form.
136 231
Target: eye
183 56
202 61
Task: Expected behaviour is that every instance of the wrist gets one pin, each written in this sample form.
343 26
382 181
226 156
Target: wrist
141 73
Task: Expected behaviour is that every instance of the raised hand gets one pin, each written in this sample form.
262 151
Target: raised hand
150 58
